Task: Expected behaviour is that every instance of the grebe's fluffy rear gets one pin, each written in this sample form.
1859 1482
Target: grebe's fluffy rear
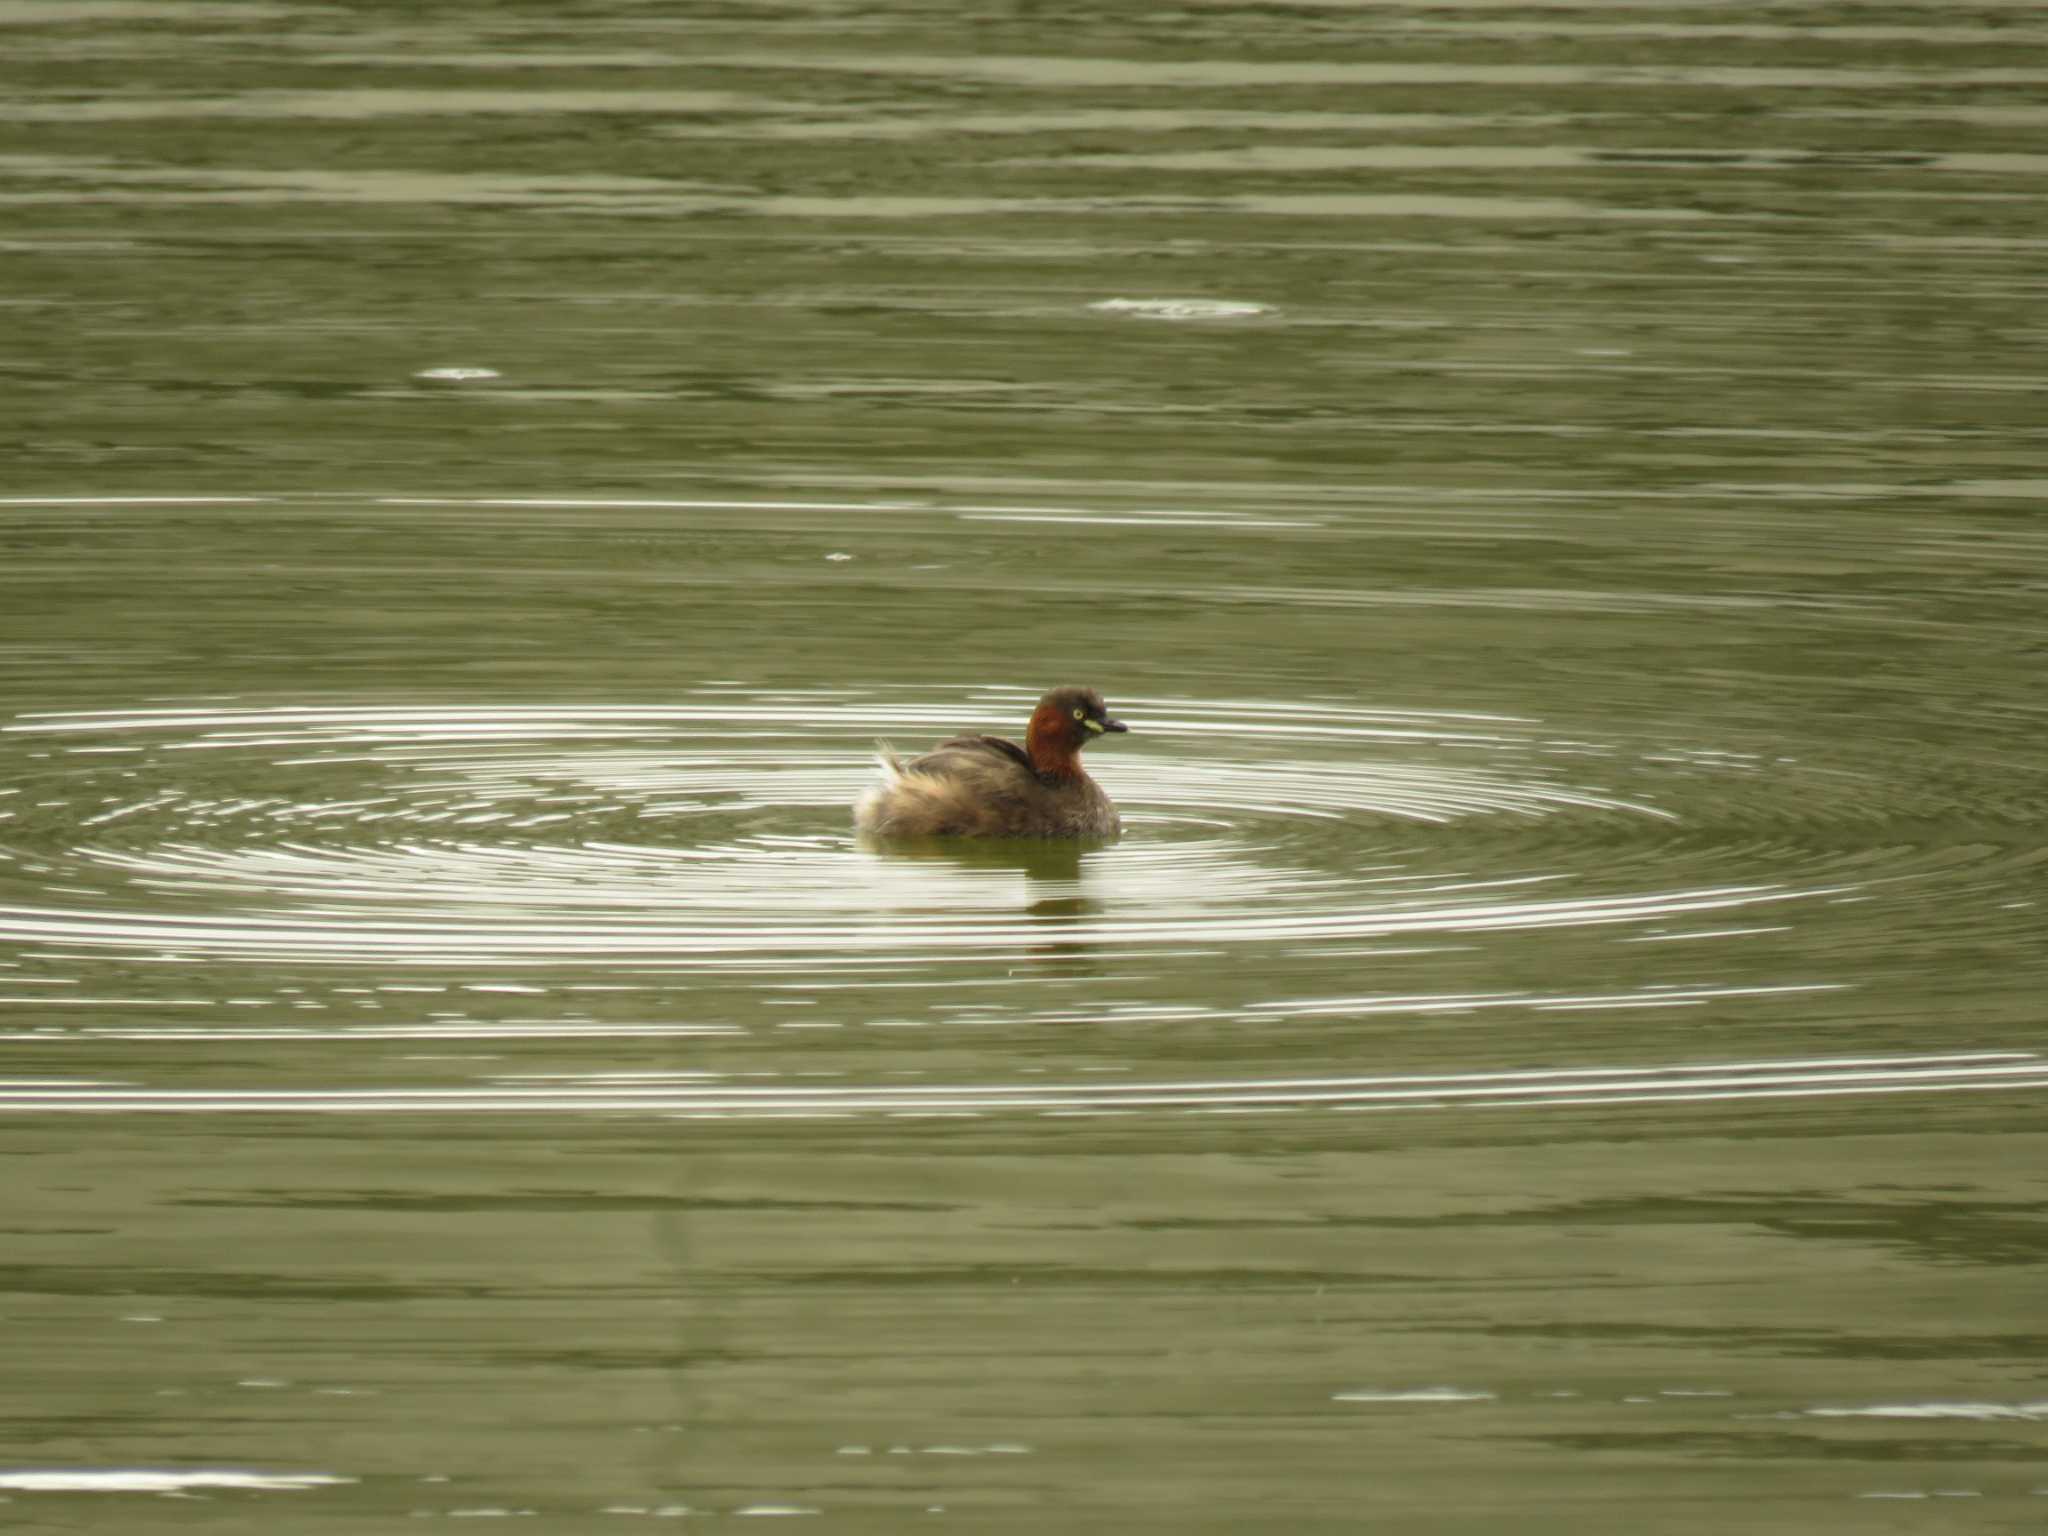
985 786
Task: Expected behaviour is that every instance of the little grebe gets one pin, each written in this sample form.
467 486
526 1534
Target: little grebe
984 786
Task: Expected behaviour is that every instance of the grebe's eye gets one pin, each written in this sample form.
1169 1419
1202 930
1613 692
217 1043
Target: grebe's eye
1080 714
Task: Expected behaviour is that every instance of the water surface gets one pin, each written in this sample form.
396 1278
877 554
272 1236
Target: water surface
1555 494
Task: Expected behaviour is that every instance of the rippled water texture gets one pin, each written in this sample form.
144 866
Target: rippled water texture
1556 493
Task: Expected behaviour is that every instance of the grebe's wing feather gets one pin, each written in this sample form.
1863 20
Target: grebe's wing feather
971 786
973 749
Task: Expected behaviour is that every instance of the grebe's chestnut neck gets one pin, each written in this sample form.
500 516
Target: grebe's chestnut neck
1066 720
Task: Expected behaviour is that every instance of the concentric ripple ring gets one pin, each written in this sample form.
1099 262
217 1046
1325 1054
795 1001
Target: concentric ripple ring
714 833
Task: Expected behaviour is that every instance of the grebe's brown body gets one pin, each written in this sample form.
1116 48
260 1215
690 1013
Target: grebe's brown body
985 786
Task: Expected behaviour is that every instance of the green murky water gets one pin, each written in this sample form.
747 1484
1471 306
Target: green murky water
1556 492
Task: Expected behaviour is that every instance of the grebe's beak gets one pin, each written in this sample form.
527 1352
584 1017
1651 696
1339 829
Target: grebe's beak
1105 724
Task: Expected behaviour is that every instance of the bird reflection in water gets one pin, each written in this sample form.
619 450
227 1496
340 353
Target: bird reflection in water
1053 896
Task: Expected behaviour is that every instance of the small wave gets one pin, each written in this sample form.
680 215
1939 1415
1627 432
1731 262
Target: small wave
1561 1088
1414 1395
1978 1412
1182 309
160 1479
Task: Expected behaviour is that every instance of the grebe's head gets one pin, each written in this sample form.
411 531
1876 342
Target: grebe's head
1072 717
